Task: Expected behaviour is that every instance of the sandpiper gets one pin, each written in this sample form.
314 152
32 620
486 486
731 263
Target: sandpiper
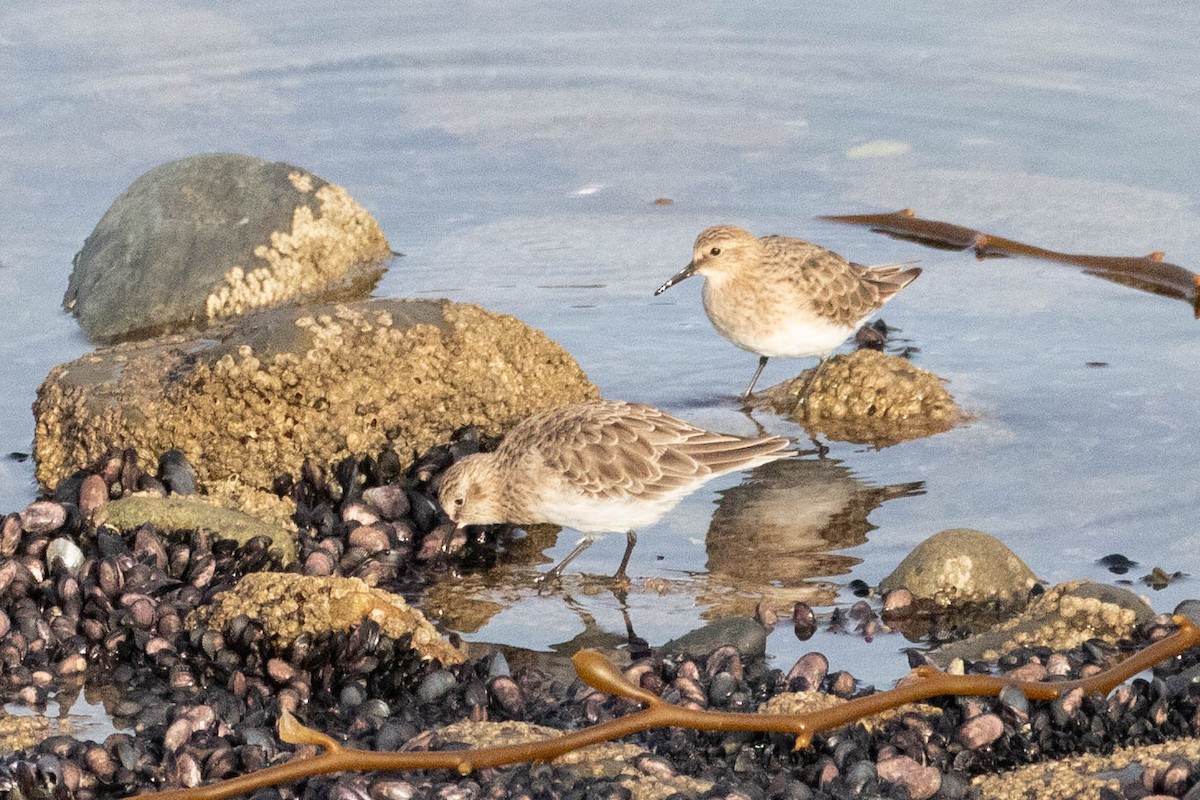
599 466
778 296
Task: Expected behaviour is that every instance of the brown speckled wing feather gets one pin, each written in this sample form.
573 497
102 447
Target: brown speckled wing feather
615 450
844 291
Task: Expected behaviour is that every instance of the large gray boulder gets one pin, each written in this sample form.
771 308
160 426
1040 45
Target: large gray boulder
215 235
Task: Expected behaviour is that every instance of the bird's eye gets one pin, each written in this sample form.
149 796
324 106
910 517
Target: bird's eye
458 501
716 251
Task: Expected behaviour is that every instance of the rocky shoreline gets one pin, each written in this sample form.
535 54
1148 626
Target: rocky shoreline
201 693
264 567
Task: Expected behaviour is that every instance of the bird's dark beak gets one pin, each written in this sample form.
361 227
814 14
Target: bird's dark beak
683 274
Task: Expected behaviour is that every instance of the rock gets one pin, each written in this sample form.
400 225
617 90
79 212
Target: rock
745 634
981 731
922 782
288 605
216 235
960 565
189 513
64 550
1064 617
867 397
264 393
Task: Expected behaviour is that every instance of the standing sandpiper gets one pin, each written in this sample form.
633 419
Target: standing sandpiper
778 296
599 466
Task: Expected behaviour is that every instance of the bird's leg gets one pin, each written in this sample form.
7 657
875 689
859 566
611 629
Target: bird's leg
812 379
630 541
762 362
557 570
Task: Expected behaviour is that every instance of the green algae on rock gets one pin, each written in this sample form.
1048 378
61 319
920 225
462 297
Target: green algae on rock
961 565
288 605
261 394
190 513
216 235
867 397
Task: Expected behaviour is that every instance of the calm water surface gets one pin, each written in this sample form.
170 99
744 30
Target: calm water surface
513 153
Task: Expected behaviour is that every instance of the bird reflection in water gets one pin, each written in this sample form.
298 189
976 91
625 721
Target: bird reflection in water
783 527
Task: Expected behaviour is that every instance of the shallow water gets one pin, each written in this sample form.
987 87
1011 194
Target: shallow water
514 152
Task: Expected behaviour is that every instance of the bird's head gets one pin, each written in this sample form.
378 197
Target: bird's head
719 251
470 492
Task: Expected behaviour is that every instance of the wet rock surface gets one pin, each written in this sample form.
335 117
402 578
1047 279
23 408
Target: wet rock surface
868 397
216 235
1065 616
284 386
962 565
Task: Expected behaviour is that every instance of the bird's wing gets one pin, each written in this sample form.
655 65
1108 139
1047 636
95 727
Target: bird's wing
844 291
622 451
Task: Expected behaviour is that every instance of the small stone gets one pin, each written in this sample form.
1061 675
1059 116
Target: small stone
43 516
10 535
922 782
436 685
65 551
369 538
280 671
808 673
93 498
897 602
361 513
1032 673
981 731
766 615
390 499
843 684
804 621
177 735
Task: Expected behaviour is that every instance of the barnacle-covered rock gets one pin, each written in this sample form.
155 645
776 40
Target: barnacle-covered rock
961 565
1064 617
262 394
288 605
215 235
868 397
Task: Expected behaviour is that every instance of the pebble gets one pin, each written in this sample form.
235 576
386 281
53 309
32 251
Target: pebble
921 782
65 551
390 500
43 516
898 602
981 731
93 497
436 685
804 621
808 673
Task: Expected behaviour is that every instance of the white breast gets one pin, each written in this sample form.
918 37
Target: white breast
771 328
590 515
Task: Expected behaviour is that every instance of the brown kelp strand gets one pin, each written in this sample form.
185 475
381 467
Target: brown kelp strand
1148 273
601 675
